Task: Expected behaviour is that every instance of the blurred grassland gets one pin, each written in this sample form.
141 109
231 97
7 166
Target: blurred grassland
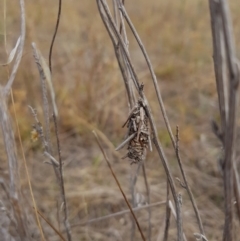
90 94
85 73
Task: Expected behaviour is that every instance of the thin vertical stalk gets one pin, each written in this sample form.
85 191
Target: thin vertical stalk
168 215
54 34
187 186
63 196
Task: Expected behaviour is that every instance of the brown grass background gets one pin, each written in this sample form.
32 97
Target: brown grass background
90 95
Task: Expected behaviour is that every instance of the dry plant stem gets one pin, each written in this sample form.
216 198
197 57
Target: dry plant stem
8 135
19 51
155 82
115 12
113 215
122 31
121 65
179 210
54 35
148 201
173 211
186 184
53 160
125 142
220 73
62 188
168 215
236 188
219 62
50 224
120 188
8 138
107 22
229 135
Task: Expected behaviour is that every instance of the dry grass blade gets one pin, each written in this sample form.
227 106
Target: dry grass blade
12 53
55 230
114 176
19 50
117 214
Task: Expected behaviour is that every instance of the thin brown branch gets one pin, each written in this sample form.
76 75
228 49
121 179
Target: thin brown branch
118 184
55 33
